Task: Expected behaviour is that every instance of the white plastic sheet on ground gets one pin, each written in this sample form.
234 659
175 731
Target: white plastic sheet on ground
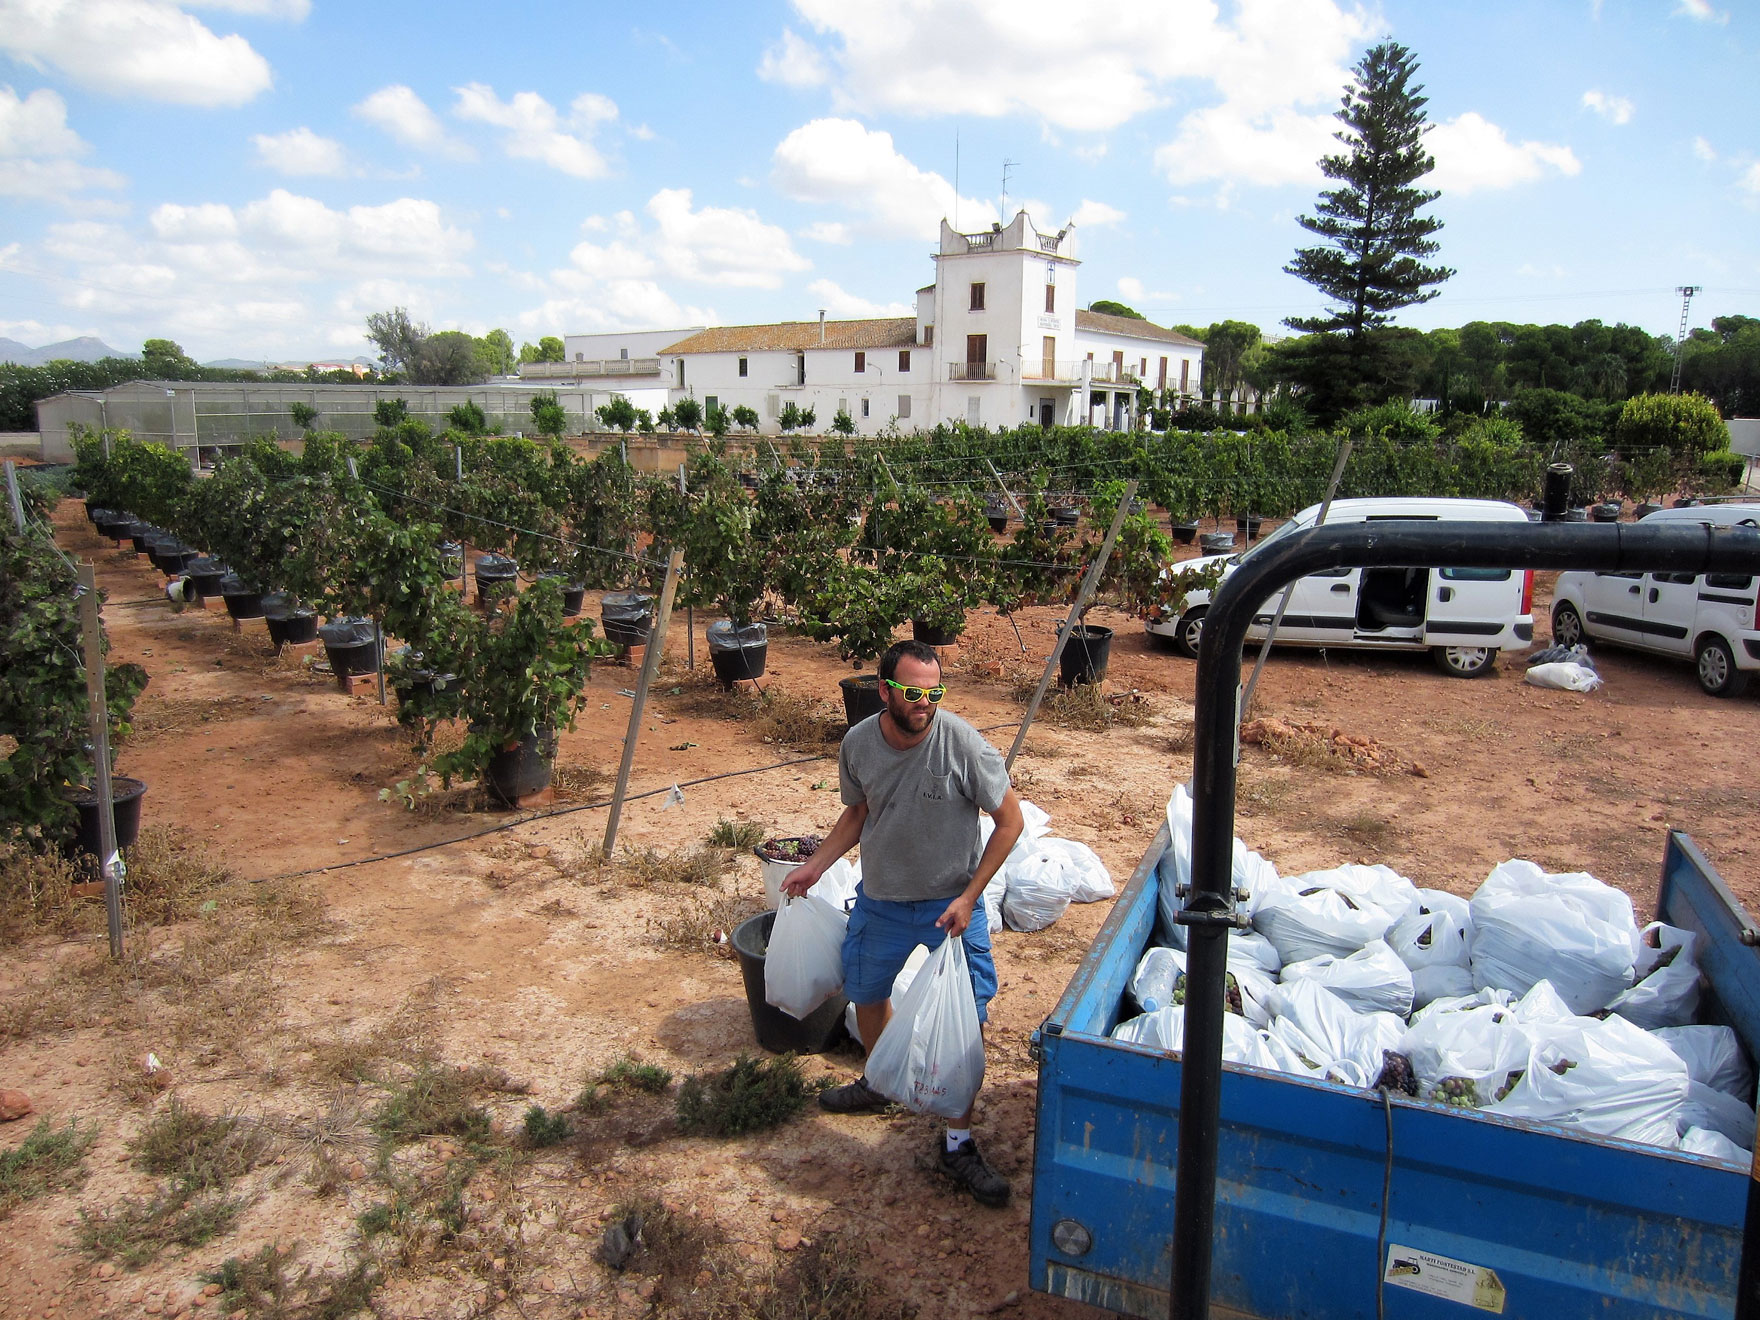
1570 929
1713 1055
900 983
930 1058
803 966
1371 980
1565 675
1667 992
1336 911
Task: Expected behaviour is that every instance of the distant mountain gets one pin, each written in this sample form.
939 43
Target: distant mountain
84 349
237 364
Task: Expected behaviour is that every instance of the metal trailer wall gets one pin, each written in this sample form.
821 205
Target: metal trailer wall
187 415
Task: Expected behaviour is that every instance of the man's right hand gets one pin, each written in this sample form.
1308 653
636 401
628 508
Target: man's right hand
802 878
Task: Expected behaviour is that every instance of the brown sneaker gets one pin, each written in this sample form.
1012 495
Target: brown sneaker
967 1168
855 1097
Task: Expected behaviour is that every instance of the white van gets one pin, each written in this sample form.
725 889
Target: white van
1462 616
1707 618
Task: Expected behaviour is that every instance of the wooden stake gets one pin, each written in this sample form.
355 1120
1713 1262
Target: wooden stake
650 667
1007 494
1089 583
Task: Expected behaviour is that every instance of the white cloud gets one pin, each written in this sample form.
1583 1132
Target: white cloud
1704 150
842 305
1749 181
1473 153
829 231
1096 214
1701 10
1130 287
301 151
720 245
1615 109
397 110
145 48
292 11
37 148
535 131
1222 143
839 162
793 63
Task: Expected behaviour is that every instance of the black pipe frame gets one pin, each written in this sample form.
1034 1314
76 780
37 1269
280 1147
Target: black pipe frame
1209 912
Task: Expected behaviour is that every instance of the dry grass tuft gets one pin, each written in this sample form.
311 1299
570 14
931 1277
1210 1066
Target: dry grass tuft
579 783
694 864
1369 830
787 720
1323 747
828 1279
197 1151
702 924
1088 707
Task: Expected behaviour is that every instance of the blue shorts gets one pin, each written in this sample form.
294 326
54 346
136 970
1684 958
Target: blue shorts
881 935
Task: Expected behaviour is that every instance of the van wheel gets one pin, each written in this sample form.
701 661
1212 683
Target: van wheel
1190 633
1464 661
1567 624
1718 674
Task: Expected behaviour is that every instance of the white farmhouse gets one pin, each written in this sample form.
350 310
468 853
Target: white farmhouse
998 339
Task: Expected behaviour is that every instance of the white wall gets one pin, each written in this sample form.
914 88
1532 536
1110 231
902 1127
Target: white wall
770 383
622 343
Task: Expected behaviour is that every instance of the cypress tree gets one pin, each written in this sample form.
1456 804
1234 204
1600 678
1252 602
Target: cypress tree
1370 263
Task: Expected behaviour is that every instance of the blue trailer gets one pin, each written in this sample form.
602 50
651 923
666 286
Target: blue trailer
1330 1195
1321 1201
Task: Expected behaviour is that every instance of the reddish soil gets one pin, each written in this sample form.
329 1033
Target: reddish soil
523 957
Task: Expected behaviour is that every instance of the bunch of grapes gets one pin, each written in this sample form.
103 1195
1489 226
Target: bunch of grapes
1232 994
1509 1084
1562 1066
1396 1073
1457 1092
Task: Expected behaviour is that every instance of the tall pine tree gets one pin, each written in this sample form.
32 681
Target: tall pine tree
1370 263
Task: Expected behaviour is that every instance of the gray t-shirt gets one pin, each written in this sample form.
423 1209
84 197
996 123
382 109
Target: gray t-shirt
920 840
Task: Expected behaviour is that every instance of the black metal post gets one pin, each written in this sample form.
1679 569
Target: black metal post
1558 492
1667 547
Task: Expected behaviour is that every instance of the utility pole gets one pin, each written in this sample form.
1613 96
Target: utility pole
1686 292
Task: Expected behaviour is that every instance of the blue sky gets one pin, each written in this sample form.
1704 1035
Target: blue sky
253 177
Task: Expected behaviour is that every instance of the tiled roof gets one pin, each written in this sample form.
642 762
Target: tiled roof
793 336
1102 323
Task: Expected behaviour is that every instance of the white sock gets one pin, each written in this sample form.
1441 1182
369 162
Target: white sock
957 1137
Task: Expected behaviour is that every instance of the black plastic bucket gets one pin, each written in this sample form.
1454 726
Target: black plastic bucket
1604 513
141 534
1247 525
574 595
998 522
1066 515
495 575
1085 655
351 645
126 795
628 617
737 654
931 635
289 624
861 697
242 602
1216 543
452 558
116 527
205 575
777 1032
522 768
1184 533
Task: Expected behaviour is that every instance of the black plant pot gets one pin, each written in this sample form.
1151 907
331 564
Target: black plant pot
452 558
95 515
116 527
628 618
931 635
522 767
1184 532
1216 543
776 1031
998 523
289 623
125 794
1645 510
574 595
1604 513
861 697
1085 655
140 534
1066 515
1247 525
205 575
737 653
351 645
242 602
495 577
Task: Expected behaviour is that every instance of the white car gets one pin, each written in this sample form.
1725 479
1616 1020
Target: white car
1706 618
1462 616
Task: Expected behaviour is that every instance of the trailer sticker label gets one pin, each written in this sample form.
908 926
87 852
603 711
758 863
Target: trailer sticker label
1440 1276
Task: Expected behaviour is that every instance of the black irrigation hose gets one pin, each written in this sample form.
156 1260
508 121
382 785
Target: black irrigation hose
564 811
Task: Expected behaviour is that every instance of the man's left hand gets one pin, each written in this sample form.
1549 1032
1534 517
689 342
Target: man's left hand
957 917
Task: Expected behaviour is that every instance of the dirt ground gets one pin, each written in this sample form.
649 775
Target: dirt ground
512 954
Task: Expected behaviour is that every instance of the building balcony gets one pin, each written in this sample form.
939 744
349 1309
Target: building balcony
1110 373
598 368
971 371
1059 373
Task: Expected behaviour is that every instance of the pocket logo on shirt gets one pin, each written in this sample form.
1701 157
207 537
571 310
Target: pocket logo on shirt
939 788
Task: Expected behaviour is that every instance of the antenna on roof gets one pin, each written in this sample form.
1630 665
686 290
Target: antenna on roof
1007 165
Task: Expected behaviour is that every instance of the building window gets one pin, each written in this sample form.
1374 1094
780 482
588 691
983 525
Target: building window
580 357
800 365
904 359
1142 368
977 354
1161 383
772 408
904 405
623 355
864 407
710 403
861 361
1051 297
977 297
974 406
1048 356
1185 367
742 366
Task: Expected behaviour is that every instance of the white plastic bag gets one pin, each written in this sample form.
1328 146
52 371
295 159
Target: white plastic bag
1667 992
900 983
1336 911
1699 1141
1566 675
1371 980
1038 891
1319 1026
1705 1107
1165 1029
1713 1055
1442 982
1609 1078
1436 934
1465 1056
1568 928
1174 870
1090 880
838 885
804 964
930 1058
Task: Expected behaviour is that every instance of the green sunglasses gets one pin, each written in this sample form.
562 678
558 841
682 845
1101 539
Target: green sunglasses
917 694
